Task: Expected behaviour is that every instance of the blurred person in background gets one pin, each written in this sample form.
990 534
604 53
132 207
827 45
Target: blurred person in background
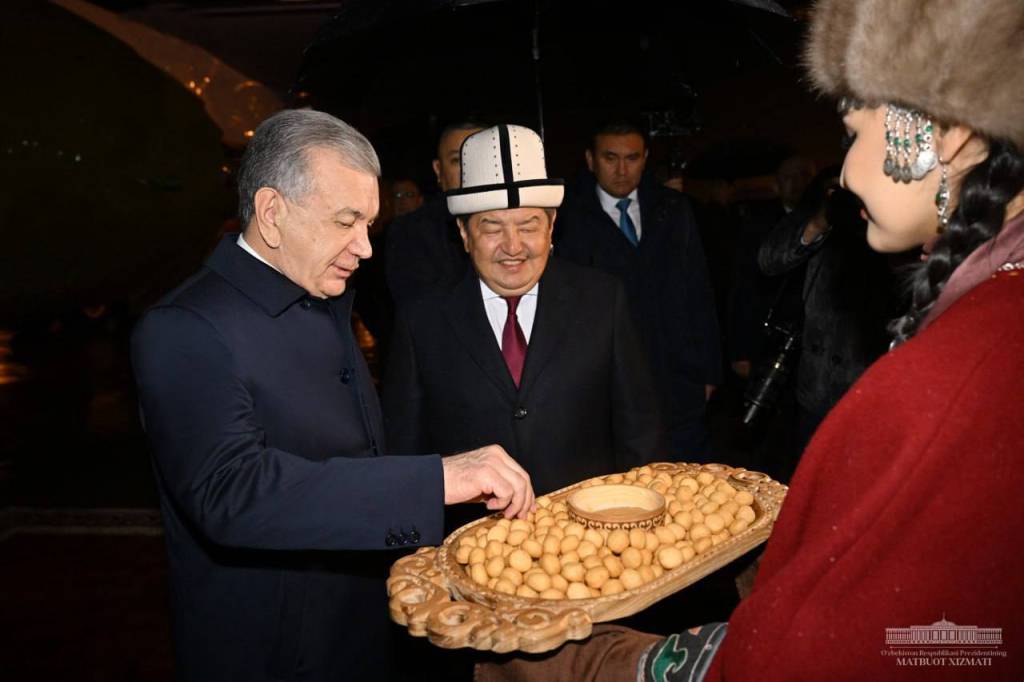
619 221
425 251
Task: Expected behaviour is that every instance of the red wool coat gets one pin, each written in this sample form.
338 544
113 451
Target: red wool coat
907 509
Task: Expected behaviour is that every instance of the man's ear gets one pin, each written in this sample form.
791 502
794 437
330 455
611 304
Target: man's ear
590 160
271 212
436 165
463 232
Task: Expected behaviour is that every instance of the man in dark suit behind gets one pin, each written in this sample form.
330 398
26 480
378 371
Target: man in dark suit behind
424 249
617 221
532 353
267 435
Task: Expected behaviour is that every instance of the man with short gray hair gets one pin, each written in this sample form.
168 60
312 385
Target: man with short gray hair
267 434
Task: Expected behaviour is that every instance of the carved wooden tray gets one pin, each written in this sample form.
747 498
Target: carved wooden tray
431 594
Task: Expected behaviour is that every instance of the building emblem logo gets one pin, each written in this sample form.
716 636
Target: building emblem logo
944 644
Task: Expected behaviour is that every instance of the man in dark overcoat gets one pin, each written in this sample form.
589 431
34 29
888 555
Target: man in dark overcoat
533 353
424 249
267 437
616 220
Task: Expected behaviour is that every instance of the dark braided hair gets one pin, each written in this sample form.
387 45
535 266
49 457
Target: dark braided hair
979 216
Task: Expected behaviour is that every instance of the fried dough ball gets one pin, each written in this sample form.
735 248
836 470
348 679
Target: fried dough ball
526 591
520 560
494 566
539 581
618 540
637 538
631 557
614 566
670 557
573 572
596 577
631 579
533 548
577 590
550 564
512 575
613 586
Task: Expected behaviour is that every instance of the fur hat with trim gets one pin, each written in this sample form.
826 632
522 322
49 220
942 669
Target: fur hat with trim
503 167
961 61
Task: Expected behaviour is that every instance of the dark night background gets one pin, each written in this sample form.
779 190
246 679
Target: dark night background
116 178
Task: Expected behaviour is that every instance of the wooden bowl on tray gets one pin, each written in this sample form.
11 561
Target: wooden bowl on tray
615 506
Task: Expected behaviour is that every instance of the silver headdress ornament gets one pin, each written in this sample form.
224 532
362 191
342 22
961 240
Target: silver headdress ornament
909 154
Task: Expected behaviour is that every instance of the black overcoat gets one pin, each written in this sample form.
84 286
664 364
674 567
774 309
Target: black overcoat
266 435
669 291
585 406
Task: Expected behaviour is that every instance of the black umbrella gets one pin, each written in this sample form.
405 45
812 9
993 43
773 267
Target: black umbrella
472 54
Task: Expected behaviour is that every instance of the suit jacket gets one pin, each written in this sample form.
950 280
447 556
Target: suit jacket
266 436
585 405
424 252
666 281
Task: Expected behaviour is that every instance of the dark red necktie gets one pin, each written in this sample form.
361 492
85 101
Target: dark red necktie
513 341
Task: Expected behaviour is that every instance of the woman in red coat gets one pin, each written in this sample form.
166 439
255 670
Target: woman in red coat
904 519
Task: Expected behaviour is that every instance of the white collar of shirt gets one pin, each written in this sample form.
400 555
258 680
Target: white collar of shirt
251 251
608 204
497 310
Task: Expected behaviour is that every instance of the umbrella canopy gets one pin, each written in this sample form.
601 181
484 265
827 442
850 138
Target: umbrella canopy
384 65
397 58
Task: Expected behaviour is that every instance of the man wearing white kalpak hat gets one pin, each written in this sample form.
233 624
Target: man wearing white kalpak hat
533 353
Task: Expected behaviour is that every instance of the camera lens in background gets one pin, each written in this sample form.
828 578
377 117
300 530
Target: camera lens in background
765 389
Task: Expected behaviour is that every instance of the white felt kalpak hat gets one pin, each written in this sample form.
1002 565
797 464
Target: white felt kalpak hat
503 167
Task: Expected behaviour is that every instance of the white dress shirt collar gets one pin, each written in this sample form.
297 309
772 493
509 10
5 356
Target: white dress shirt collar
497 310
251 251
608 204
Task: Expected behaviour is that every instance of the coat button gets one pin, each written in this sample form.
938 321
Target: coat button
520 413
414 536
305 304
391 540
345 375
837 359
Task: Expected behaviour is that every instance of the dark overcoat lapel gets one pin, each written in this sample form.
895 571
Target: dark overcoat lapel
552 323
466 315
468 319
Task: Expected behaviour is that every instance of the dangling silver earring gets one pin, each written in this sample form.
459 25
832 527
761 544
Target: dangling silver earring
942 198
907 158
926 156
889 165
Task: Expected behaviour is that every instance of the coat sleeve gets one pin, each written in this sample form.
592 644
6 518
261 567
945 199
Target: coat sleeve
781 250
636 420
403 395
212 460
